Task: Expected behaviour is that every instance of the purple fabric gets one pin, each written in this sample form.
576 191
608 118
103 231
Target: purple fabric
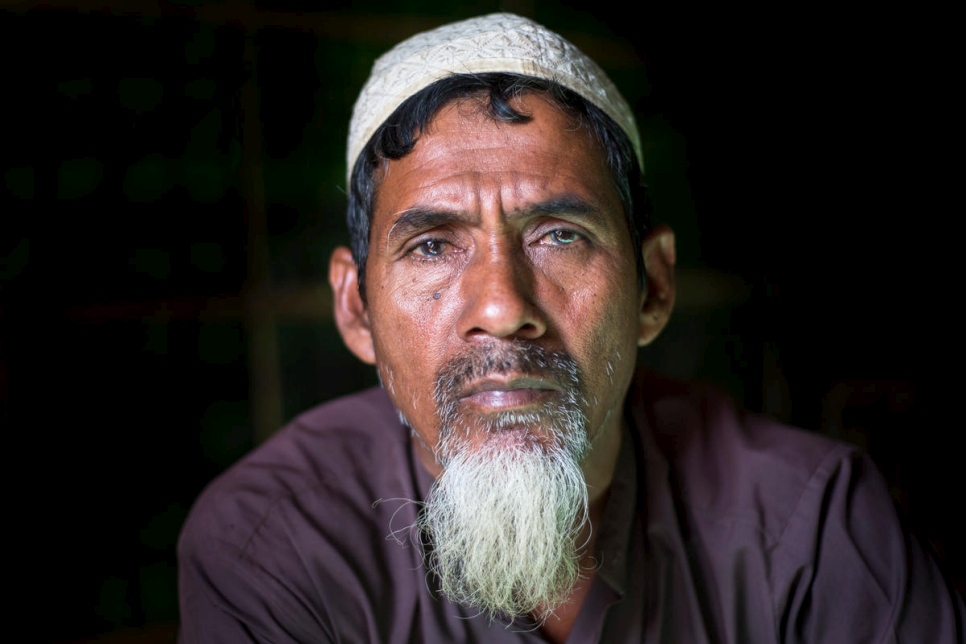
720 527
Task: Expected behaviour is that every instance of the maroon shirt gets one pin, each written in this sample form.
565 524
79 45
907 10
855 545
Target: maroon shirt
720 527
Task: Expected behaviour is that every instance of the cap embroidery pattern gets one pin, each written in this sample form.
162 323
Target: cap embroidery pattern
500 42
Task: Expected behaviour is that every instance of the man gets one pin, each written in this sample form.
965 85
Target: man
516 478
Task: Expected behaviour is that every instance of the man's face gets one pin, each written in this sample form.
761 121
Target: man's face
492 239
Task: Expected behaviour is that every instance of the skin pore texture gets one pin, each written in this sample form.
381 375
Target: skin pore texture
503 298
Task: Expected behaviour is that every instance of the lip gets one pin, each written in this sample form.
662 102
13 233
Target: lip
514 392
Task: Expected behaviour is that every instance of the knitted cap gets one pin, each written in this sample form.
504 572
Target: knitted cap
499 42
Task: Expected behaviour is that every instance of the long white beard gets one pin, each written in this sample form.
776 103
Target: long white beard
504 526
504 518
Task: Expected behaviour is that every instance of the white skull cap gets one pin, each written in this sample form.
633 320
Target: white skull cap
498 42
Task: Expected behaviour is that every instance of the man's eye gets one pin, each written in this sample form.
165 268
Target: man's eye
430 248
564 236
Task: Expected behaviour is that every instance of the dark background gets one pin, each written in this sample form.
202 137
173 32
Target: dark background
173 185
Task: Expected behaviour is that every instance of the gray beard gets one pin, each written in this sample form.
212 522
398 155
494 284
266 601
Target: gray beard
504 518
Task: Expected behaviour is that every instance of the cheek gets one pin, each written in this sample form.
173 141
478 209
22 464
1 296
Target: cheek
604 331
407 357
409 283
413 303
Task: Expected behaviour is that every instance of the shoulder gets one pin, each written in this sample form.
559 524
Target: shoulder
728 464
291 532
335 447
803 523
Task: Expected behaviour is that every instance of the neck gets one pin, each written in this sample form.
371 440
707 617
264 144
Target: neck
598 469
600 463
556 628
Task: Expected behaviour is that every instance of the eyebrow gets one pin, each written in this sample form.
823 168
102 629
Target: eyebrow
419 218
563 205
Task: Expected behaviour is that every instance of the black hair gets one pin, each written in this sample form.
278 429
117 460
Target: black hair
396 137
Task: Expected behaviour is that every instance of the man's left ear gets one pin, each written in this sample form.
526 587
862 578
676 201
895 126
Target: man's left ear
657 299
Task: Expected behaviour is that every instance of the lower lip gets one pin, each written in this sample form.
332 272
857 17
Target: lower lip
508 399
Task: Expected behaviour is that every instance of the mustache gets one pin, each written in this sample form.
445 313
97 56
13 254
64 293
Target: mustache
518 357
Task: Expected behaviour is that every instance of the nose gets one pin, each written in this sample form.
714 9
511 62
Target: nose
498 286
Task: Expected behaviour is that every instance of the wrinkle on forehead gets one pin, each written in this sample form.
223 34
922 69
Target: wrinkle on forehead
465 154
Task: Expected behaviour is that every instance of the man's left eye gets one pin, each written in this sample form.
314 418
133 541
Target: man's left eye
563 236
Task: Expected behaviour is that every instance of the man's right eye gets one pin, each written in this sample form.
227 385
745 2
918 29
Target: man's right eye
429 248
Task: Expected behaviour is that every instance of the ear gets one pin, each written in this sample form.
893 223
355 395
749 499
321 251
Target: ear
657 299
351 315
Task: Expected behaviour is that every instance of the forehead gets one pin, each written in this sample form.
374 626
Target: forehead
466 160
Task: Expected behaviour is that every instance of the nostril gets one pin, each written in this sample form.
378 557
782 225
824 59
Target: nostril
528 329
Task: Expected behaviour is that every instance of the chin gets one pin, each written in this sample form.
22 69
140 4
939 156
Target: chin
520 437
528 429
